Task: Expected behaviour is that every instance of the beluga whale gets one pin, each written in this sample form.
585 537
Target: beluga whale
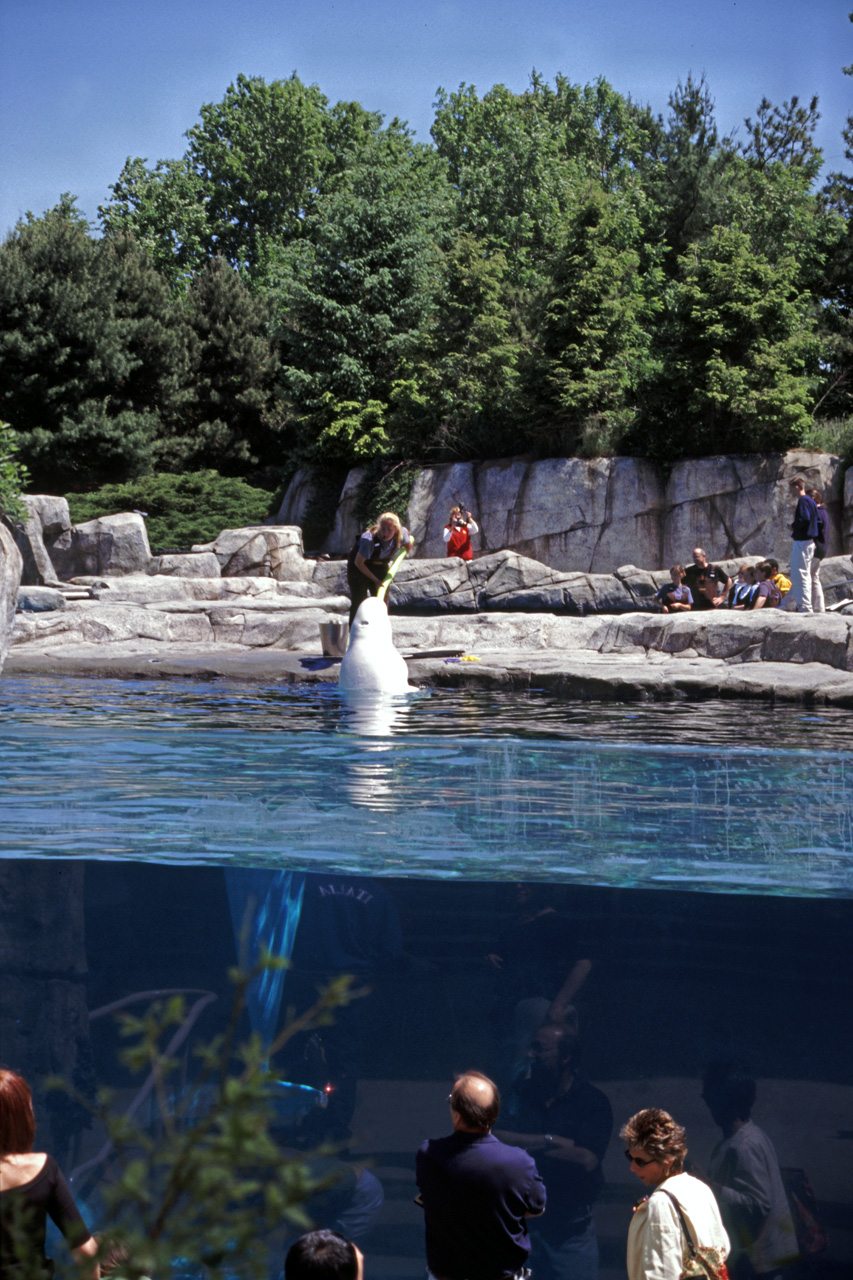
371 664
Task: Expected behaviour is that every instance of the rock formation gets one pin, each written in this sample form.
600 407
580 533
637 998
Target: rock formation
260 552
10 578
590 516
111 544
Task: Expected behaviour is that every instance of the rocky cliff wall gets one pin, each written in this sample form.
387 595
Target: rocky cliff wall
591 516
10 579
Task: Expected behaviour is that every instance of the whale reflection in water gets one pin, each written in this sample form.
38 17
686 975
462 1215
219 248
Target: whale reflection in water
371 767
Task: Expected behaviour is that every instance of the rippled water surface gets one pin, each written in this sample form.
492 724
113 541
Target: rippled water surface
721 796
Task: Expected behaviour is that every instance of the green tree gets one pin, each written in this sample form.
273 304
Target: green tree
461 396
506 161
259 156
165 209
739 352
595 334
353 294
181 509
685 168
229 416
255 165
207 1185
90 351
13 476
784 135
836 391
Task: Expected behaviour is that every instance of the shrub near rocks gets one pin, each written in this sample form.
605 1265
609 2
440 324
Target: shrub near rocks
181 509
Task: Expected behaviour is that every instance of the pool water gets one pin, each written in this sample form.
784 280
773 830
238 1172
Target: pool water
699 855
732 798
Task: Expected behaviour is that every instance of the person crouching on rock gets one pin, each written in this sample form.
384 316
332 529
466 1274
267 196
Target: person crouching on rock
457 534
371 552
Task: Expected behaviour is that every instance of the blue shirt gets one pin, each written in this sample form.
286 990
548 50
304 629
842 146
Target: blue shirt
476 1192
805 525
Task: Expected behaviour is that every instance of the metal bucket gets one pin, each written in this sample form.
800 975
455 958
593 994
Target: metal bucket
334 638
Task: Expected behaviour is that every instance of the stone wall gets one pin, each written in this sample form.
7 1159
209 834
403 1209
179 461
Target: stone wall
591 516
10 579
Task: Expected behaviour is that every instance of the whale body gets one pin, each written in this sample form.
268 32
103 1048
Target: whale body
371 664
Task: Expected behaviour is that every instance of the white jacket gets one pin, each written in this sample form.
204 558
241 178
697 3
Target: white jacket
656 1243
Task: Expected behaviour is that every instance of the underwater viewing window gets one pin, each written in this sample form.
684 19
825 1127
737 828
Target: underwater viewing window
679 877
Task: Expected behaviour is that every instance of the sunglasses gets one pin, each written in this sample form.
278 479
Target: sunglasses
641 1164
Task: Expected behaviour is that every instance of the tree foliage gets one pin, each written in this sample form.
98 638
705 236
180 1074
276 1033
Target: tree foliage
88 350
205 1184
13 476
181 509
562 270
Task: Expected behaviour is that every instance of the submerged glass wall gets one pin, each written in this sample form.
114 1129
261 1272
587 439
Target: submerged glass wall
686 869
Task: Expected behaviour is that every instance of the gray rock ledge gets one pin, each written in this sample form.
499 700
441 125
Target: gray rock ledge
773 656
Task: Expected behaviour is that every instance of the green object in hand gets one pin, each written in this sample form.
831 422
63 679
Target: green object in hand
393 565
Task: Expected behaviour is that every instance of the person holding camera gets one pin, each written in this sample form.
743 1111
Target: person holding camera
457 534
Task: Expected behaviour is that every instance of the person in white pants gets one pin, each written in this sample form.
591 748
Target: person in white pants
818 603
804 530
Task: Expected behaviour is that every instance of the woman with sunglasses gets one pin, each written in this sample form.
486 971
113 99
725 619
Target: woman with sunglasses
679 1210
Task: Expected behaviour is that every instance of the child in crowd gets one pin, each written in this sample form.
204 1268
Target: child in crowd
674 596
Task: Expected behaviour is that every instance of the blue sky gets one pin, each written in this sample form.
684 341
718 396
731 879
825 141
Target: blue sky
86 83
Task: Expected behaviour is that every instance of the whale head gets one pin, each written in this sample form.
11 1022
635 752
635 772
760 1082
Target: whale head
371 662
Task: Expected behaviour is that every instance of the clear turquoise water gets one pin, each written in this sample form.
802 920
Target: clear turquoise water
722 797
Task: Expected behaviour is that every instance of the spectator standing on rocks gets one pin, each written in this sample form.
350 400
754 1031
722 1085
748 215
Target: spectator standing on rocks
701 568
804 531
674 596
457 533
818 603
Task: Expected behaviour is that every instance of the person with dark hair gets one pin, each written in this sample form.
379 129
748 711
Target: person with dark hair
743 1173
768 595
323 1255
567 1122
31 1189
778 577
476 1191
818 602
678 1205
675 596
804 531
744 589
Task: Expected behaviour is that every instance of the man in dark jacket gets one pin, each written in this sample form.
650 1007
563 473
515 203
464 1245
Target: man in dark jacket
804 531
477 1192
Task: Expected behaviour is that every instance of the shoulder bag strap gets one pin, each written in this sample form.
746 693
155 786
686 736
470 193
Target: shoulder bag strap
690 1245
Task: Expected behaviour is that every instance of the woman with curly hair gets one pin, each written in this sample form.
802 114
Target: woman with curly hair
31 1187
679 1215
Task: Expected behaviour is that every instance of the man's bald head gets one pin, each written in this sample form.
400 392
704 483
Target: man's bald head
475 1102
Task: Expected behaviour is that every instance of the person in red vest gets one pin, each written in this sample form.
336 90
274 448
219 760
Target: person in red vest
457 534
